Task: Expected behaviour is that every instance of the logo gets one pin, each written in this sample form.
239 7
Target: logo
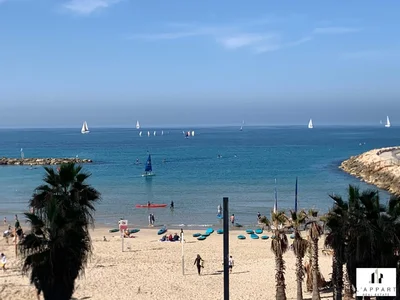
376 282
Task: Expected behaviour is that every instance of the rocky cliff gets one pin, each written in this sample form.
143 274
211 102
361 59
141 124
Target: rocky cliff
379 167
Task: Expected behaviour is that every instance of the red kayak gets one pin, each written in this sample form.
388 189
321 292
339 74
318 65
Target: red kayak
152 205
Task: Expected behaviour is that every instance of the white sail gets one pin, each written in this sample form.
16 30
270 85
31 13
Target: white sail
137 125
310 124
148 133
85 128
387 122
193 133
140 133
162 132
154 133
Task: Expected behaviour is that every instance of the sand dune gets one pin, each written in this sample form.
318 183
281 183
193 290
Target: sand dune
151 269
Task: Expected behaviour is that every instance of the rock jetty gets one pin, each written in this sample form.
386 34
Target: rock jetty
6 161
380 167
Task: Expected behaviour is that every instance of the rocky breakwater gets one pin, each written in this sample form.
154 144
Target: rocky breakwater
380 167
5 161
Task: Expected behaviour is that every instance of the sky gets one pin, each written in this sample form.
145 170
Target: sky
199 62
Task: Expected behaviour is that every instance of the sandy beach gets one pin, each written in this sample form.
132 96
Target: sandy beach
150 269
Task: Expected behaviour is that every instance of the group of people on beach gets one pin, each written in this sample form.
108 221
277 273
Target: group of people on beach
170 238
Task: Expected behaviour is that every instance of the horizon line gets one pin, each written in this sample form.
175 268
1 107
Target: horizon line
197 126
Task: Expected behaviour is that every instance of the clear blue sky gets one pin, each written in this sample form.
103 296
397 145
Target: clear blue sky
173 62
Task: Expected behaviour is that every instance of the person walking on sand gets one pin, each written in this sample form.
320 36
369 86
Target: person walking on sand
230 264
199 263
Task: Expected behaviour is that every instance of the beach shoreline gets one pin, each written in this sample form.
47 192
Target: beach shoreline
379 167
150 269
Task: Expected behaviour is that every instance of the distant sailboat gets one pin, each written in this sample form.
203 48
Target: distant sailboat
241 126
193 133
137 125
162 132
148 133
148 170
154 133
387 125
140 133
85 128
310 124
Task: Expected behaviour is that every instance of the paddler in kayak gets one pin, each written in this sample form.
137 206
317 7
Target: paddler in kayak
148 203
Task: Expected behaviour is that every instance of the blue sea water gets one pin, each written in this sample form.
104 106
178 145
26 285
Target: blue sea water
189 172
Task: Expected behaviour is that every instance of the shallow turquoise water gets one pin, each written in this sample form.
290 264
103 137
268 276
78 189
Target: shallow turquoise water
192 174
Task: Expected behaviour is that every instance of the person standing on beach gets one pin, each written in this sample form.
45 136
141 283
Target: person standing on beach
258 216
219 209
233 219
198 262
3 261
230 264
5 221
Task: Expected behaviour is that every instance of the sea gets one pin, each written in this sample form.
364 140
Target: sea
196 172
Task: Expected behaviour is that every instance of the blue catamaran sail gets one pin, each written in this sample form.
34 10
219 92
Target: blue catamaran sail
148 170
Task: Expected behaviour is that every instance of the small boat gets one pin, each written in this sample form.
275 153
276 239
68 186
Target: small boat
148 170
162 231
152 205
258 231
310 124
387 125
254 236
85 128
137 125
241 237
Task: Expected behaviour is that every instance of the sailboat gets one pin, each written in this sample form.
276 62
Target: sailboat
85 128
148 170
310 124
140 133
162 132
154 133
137 125
387 125
148 133
193 133
241 126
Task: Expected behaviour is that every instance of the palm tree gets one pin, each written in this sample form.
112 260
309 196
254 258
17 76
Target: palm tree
58 246
300 246
336 221
279 245
315 232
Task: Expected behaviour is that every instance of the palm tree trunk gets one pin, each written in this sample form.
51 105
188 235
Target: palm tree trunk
59 290
280 278
334 276
315 270
299 277
339 278
348 291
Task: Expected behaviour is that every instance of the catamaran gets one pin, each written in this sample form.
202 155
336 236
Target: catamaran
137 125
387 125
148 170
85 128
310 124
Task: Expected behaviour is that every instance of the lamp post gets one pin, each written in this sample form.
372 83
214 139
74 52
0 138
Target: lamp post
226 248
183 253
